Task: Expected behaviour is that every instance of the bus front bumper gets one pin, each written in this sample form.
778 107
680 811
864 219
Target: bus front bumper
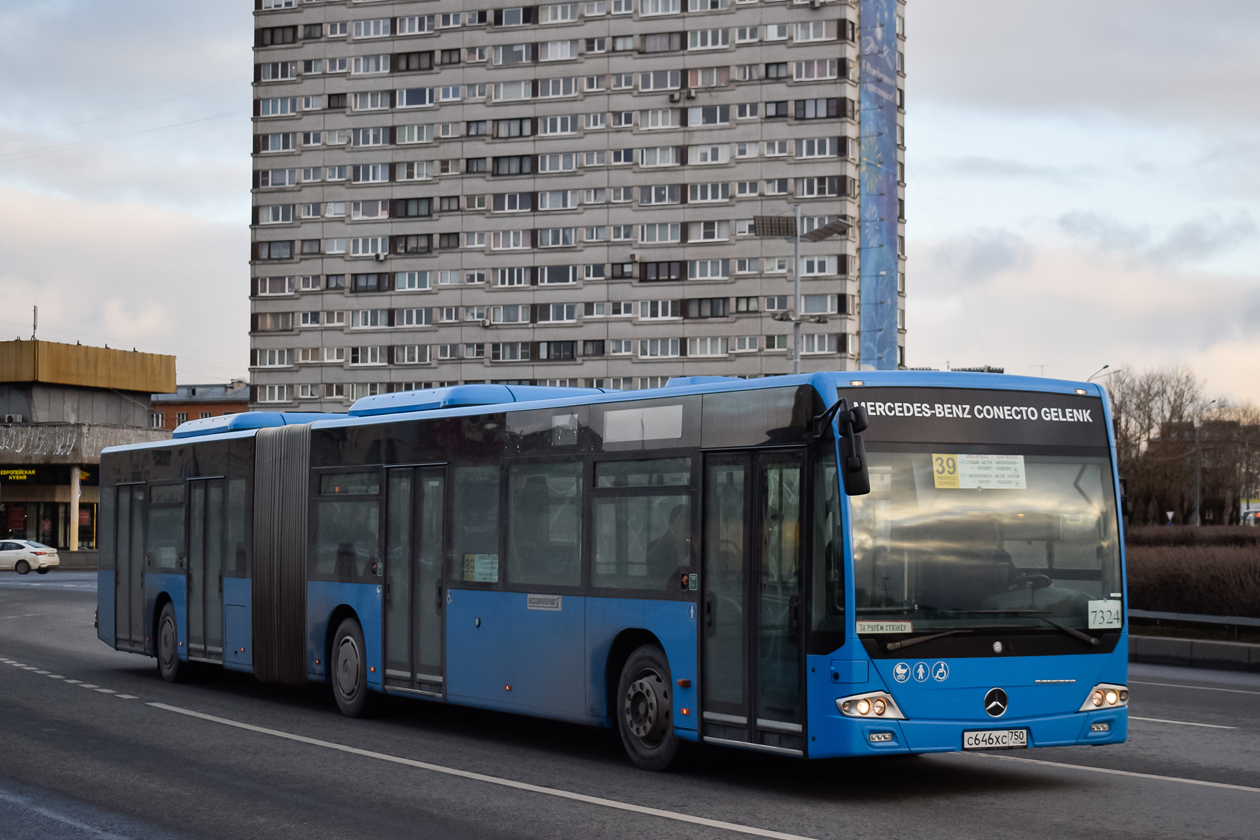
873 737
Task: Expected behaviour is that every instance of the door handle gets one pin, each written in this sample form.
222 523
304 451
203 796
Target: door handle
388 590
710 607
439 596
794 617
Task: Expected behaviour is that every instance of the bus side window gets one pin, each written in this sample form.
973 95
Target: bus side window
474 525
545 524
347 538
642 524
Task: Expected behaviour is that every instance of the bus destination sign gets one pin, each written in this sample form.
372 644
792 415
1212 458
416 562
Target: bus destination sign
957 415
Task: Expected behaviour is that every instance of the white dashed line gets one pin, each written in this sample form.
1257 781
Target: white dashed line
86 685
125 696
42 673
492 780
55 677
106 691
1182 722
73 682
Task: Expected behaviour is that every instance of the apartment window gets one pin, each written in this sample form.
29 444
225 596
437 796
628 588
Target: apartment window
704 155
369 173
285 142
411 354
816 109
656 348
708 39
709 115
658 232
815 147
708 269
709 346
557 199
566 124
412 207
510 351
660 80
515 165
814 30
339 29
746 304
566 162
268 394
821 186
422 317
277 178
704 77
777 303
285 106
812 343
368 64
513 202
816 266
510 240
510 314
661 194
777 186
556 237
511 277
273 321
421 243
707 308
657 271
556 313
659 156
809 71
282 250
557 351
506 129
663 42
708 192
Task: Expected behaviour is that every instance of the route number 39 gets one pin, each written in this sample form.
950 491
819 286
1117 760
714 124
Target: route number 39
945 465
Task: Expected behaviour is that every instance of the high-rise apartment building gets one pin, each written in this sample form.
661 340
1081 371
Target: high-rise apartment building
565 193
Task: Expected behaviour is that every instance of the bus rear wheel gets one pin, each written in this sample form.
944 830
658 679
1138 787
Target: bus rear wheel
169 664
349 669
645 709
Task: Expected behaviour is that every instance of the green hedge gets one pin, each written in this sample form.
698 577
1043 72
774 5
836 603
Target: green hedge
1207 580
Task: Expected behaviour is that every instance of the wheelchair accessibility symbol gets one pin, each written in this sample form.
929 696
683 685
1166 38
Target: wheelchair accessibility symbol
920 672
901 672
940 672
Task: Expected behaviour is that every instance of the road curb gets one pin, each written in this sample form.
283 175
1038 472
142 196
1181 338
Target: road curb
1195 653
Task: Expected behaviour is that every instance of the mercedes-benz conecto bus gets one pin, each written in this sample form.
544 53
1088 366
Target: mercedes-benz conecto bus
818 565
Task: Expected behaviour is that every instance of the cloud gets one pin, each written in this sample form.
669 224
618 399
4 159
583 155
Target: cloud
1152 62
1195 240
977 257
976 166
127 274
1074 308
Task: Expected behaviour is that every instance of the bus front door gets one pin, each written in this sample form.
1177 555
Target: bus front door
129 568
413 580
751 653
206 524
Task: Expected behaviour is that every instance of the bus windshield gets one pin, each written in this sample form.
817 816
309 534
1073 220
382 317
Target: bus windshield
984 538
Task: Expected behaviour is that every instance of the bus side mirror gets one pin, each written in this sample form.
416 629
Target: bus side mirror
853 469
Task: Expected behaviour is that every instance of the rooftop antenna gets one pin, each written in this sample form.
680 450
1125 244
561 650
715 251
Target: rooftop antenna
35 323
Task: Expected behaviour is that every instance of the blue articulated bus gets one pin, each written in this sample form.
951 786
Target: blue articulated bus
829 564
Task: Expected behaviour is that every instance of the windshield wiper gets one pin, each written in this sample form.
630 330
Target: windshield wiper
914 640
1040 615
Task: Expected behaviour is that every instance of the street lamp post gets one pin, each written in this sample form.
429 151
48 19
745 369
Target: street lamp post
778 227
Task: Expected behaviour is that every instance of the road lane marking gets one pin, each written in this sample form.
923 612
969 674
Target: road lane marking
1195 687
125 696
55 677
23 802
73 682
1108 771
492 780
42 673
85 685
106 691
1182 722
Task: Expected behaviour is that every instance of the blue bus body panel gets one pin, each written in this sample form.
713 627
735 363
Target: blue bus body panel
105 606
674 625
176 586
518 659
322 598
238 628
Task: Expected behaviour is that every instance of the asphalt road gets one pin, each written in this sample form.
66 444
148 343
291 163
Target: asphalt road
93 744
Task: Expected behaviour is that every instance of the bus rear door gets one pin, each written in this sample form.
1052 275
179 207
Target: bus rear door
129 568
413 580
752 660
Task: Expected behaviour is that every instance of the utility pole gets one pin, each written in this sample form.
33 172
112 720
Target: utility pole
1198 475
796 291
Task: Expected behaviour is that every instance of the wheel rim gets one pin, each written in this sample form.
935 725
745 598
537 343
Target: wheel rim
348 663
166 642
644 707
23 567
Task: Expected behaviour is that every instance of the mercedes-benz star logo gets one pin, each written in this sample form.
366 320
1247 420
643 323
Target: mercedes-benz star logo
995 702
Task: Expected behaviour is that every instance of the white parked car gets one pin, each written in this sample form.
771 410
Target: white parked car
24 555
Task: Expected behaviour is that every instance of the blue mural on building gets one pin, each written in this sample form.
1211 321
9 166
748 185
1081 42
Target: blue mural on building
877 173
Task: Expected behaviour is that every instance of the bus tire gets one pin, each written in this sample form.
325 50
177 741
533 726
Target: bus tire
645 709
349 669
170 666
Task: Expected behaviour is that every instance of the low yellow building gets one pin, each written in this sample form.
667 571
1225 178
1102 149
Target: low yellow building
60 405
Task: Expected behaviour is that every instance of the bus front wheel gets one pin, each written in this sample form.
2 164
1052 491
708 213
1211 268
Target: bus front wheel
645 709
349 669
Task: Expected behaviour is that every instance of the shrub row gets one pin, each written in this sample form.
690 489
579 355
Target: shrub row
1217 580
1188 535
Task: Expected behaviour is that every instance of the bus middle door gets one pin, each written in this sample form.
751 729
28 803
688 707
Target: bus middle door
413 580
751 651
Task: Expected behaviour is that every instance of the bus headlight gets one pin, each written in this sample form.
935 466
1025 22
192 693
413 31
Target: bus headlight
1106 696
873 705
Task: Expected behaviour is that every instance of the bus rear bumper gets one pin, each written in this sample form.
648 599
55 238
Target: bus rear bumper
926 736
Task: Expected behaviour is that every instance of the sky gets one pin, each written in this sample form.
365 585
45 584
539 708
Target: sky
1082 183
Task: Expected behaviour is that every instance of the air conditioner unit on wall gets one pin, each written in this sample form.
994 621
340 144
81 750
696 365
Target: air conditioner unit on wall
380 257
691 94
675 96
14 418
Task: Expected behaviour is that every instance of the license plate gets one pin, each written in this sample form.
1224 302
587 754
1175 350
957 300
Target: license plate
995 739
